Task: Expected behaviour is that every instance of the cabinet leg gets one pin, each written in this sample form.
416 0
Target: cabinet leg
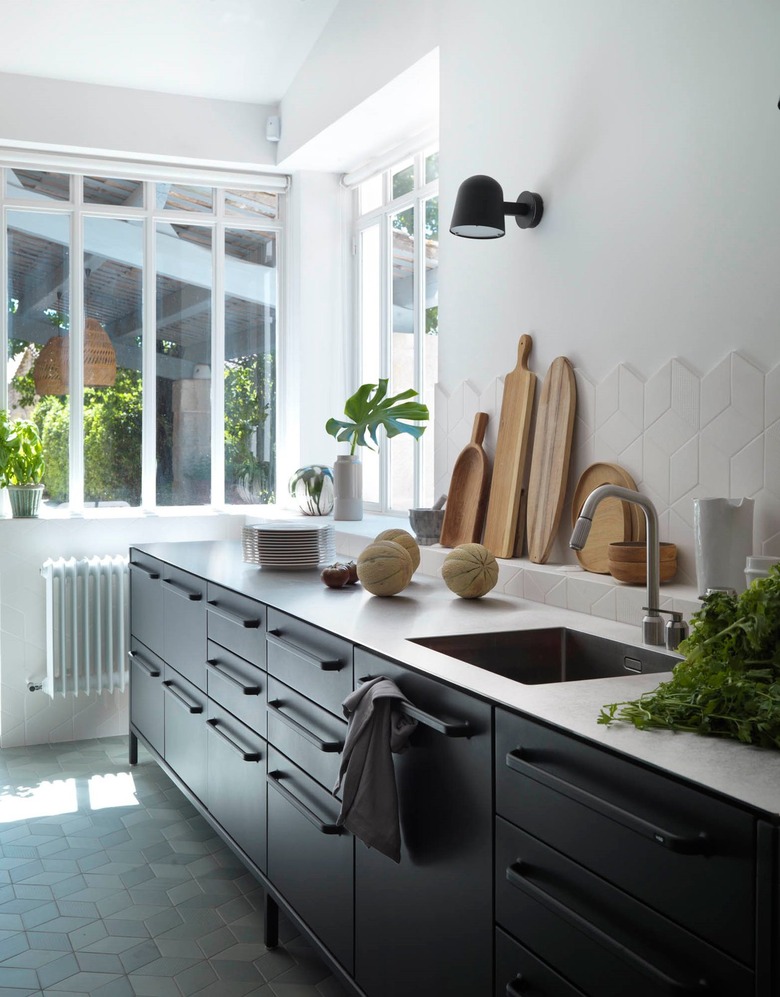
271 937
132 749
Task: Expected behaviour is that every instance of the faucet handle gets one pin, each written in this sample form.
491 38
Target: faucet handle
676 628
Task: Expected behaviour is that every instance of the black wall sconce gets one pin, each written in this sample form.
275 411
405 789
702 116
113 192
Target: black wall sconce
480 209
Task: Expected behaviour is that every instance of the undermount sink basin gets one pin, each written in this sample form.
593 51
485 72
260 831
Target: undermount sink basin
555 654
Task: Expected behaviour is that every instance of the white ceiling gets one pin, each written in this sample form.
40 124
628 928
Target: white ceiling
243 50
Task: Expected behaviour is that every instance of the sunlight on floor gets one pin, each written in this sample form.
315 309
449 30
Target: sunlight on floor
61 796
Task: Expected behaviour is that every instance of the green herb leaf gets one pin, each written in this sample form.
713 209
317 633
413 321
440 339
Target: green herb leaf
371 407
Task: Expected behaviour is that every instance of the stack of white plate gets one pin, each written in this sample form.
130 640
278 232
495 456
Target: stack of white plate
289 544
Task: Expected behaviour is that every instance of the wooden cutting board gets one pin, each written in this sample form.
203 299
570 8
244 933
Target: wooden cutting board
613 522
511 455
550 458
464 513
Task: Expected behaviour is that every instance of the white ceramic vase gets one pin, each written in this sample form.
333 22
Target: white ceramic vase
723 538
348 487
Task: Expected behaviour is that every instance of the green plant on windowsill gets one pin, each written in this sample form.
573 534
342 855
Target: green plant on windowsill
371 407
21 464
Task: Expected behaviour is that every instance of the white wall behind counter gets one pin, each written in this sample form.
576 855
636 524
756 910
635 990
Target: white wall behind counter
32 717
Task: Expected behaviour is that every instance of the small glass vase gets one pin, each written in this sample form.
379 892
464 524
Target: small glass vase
348 487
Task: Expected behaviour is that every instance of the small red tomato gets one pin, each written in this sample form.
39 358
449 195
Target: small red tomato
335 576
353 575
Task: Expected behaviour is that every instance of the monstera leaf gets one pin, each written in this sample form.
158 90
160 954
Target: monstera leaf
371 407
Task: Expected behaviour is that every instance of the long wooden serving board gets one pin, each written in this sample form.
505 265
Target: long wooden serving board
550 458
511 454
464 514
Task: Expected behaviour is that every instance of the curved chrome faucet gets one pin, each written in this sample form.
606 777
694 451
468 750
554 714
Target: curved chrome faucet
652 624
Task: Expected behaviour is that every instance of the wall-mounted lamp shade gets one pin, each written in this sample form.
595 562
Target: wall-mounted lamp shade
480 209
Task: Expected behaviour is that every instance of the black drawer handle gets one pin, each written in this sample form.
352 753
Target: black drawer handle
189 704
695 844
513 987
450 728
275 705
246 690
247 622
275 638
247 756
154 575
657 976
150 670
275 779
182 591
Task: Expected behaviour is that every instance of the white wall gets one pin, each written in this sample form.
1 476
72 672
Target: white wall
81 117
652 132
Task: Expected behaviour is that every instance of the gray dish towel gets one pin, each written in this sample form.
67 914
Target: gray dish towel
377 728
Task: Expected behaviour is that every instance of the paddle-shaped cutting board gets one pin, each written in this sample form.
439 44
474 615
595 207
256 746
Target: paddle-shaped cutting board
464 513
550 458
511 454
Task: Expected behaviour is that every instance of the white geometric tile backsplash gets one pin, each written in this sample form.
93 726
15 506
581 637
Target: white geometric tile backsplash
682 435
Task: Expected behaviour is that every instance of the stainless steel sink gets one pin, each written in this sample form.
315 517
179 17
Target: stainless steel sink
555 654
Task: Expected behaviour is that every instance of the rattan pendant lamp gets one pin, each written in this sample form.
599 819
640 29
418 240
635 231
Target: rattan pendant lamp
50 373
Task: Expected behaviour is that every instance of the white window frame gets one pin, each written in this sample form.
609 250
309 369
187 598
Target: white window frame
382 215
150 216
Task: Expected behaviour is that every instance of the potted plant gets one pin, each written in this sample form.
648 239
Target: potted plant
21 464
368 409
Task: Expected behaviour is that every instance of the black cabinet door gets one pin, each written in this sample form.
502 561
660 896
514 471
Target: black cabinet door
184 607
237 623
520 974
146 694
429 919
310 859
185 731
236 781
146 604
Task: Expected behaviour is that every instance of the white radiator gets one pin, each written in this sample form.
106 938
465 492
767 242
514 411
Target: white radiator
87 624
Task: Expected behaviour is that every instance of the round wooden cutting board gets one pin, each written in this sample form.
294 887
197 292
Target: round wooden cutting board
613 522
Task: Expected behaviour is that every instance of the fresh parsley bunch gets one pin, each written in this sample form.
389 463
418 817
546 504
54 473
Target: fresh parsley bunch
728 684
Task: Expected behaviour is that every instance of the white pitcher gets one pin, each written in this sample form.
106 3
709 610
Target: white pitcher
723 538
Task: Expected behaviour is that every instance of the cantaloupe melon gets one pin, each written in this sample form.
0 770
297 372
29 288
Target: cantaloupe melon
384 567
470 571
406 540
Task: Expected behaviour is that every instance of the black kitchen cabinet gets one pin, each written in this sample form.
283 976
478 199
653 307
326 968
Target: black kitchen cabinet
184 614
147 707
146 603
185 731
428 918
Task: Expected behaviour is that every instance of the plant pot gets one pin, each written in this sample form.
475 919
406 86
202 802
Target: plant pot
25 500
348 487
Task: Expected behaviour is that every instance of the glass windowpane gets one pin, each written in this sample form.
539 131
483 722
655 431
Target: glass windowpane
252 203
370 325
370 194
249 366
183 335
432 167
430 340
184 197
114 190
403 179
403 373
36 185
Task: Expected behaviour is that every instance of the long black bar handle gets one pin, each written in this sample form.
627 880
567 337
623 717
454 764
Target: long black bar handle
247 622
667 984
274 637
246 690
154 575
450 728
150 670
513 987
247 756
182 591
275 705
188 704
275 779
695 844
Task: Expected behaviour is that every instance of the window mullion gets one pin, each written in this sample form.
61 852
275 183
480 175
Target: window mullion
217 364
149 361
76 351
419 332
386 332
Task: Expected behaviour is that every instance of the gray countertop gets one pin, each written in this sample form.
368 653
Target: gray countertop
427 608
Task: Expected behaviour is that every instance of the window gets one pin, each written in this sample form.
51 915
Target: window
397 256
170 291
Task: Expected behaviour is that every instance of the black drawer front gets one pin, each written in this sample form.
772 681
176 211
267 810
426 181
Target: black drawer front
184 603
520 974
236 685
237 623
315 662
309 862
236 781
310 736
636 828
147 712
185 731
598 938
146 604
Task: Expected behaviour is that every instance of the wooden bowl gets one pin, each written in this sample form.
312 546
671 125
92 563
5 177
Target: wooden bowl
628 561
